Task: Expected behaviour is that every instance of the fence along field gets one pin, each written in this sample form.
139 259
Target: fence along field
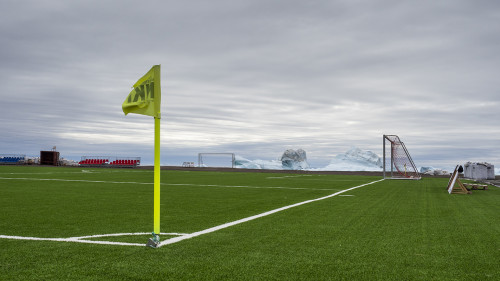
391 228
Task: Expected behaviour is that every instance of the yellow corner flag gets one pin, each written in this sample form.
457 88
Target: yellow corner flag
145 98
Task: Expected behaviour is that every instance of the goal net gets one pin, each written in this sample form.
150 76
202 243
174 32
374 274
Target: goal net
397 161
216 160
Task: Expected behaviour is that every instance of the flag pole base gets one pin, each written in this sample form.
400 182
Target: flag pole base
153 242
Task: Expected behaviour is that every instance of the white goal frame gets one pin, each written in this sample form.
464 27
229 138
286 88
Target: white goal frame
200 157
409 172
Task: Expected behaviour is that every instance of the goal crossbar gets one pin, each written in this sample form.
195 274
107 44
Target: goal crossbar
215 154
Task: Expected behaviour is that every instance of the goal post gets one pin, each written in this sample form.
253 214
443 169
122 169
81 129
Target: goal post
397 162
216 160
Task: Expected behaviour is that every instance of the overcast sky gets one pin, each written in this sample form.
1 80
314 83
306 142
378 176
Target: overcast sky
253 77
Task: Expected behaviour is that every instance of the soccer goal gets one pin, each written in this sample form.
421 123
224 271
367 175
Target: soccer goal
216 160
397 161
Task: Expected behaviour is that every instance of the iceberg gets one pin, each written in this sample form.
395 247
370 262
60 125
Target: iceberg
355 159
290 160
243 163
429 170
294 160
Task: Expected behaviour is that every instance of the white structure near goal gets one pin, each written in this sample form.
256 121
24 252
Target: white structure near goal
218 160
397 160
479 171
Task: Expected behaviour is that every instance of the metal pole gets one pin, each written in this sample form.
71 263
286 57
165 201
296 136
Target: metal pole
383 145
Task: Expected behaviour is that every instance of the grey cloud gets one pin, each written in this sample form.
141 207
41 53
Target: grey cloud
254 77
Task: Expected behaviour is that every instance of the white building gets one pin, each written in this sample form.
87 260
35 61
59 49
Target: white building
479 171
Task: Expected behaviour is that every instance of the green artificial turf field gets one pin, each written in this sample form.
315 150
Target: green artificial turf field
387 230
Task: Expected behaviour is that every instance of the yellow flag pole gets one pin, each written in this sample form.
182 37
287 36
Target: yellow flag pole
145 99
156 216
157 177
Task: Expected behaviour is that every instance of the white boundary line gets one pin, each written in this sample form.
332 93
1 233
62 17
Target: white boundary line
92 181
229 224
80 239
247 186
180 236
171 184
284 177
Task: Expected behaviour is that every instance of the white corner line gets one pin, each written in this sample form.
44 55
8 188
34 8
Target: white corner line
80 239
229 224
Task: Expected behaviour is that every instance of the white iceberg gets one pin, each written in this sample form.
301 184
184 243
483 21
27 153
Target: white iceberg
354 159
294 160
429 170
243 163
